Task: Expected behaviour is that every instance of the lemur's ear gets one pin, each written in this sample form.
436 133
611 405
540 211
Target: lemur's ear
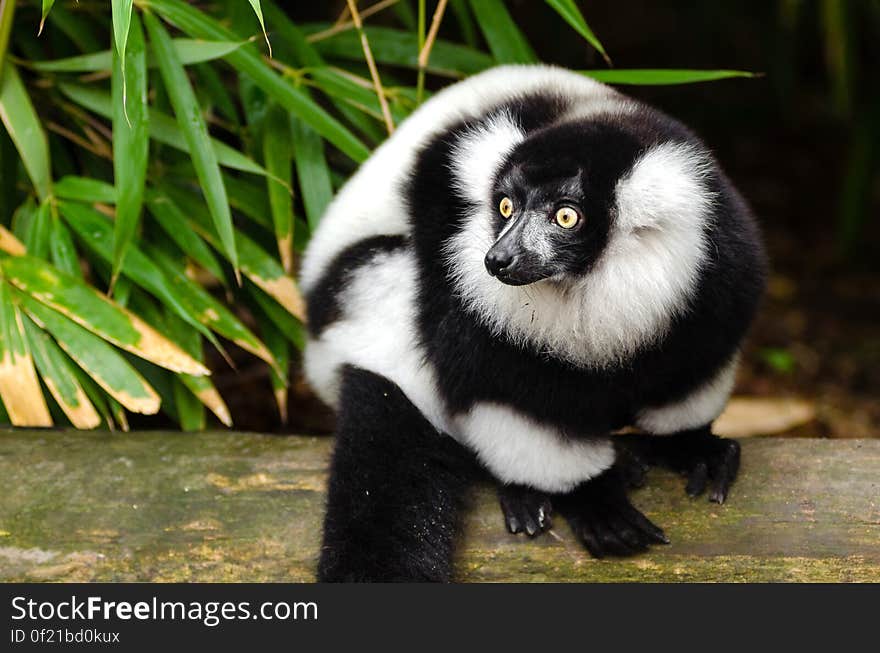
665 190
480 152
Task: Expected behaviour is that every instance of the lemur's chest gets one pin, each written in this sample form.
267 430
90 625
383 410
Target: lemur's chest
476 366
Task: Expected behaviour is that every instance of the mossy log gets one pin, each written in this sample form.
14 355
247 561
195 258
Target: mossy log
80 506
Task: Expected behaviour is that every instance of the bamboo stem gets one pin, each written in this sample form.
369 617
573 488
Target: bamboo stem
344 26
425 51
371 64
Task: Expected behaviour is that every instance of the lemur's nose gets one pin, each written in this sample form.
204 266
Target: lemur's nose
498 260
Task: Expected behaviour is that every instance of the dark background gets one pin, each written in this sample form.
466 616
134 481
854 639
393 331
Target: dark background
801 143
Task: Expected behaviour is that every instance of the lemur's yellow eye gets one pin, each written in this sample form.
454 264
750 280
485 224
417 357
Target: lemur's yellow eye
567 217
506 207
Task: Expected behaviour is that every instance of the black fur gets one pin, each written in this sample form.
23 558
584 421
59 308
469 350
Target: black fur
323 300
697 454
396 489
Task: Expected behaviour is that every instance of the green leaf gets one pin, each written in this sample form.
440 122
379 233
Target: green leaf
23 125
190 52
96 233
258 10
85 189
247 61
312 171
661 77
163 128
293 329
47 7
277 155
176 226
121 10
99 360
19 386
506 42
398 48
211 312
200 387
131 141
37 238
87 307
60 378
278 345
62 250
572 15
195 132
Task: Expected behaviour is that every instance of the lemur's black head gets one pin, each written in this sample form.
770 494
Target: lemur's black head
554 199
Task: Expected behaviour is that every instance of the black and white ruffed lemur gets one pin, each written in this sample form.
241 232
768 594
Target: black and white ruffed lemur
532 262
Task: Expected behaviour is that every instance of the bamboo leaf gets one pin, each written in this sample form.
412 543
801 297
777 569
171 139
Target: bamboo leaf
195 132
96 233
277 156
163 128
661 77
247 61
131 141
278 345
210 312
94 312
506 42
21 121
189 51
293 329
85 189
258 10
37 240
47 7
121 10
10 244
572 15
60 378
176 226
62 251
99 360
312 172
19 386
199 387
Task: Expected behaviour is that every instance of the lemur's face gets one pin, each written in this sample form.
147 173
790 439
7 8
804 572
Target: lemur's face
553 201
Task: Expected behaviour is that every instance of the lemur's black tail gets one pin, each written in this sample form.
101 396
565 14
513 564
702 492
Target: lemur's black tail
396 488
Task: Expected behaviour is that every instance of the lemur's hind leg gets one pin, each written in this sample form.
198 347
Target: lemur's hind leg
705 459
396 487
602 517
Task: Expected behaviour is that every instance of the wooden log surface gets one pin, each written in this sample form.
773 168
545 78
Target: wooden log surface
223 506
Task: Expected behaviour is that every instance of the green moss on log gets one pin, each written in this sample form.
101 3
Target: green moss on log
243 507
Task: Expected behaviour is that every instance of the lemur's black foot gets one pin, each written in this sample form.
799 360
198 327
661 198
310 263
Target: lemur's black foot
602 517
525 509
699 455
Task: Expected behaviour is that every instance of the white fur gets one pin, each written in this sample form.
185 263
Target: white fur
518 449
377 332
699 408
479 153
646 275
371 202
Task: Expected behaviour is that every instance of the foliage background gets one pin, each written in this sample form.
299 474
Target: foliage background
194 241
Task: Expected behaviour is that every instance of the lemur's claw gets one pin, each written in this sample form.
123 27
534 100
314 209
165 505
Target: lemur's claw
526 510
706 460
605 521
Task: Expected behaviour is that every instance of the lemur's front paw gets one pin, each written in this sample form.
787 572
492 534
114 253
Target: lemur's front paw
602 517
525 509
698 455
